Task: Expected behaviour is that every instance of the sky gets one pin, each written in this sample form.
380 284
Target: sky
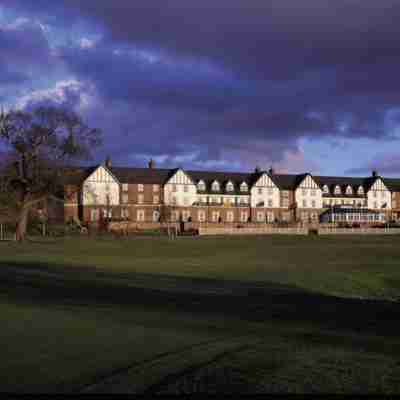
303 86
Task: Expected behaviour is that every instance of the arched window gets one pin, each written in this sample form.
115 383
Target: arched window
201 186
243 187
215 186
349 190
337 189
229 187
360 190
325 189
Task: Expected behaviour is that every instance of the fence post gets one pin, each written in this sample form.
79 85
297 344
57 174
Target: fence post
1 232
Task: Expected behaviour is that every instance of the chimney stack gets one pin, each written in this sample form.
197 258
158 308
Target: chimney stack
271 171
108 162
151 163
257 169
374 173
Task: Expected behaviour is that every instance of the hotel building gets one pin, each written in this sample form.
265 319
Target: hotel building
154 195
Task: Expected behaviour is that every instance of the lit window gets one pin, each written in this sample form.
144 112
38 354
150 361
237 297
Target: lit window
156 188
215 186
156 199
140 187
125 187
337 189
125 198
140 215
229 187
156 216
201 186
349 190
140 199
243 187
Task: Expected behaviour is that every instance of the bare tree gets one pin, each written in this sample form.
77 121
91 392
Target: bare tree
41 144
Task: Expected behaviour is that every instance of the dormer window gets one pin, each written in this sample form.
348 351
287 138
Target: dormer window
360 190
215 186
337 190
229 187
201 186
349 190
325 189
244 187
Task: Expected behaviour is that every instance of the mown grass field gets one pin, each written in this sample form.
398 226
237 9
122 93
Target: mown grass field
248 314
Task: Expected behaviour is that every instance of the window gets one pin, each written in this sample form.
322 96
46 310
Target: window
140 199
270 192
230 216
229 187
156 199
260 216
201 186
215 216
156 188
260 190
304 203
270 216
285 193
175 215
186 201
125 187
270 203
243 216
156 216
337 189
140 215
383 194
186 188
201 216
285 202
375 193
125 198
313 204
243 187
215 186
125 213
107 214
360 190
140 188
375 204
304 192
185 216
326 189
173 200
349 190
174 188
94 215
313 192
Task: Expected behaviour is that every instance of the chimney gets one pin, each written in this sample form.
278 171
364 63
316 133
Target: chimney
108 162
257 169
271 171
374 173
151 163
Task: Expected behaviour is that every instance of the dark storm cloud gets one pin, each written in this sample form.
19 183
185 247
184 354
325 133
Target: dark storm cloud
231 74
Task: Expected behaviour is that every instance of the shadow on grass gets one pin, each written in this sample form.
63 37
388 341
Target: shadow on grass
42 283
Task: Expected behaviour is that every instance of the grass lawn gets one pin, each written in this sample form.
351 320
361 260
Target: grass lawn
240 314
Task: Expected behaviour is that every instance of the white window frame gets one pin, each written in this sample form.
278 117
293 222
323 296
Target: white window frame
124 187
244 187
215 187
140 187
140 215
230 187
156 188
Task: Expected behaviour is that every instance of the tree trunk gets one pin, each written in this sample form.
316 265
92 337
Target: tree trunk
22 224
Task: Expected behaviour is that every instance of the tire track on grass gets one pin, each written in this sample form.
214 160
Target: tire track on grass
151 375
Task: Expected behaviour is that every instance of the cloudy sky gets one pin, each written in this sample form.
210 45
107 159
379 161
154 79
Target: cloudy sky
309 85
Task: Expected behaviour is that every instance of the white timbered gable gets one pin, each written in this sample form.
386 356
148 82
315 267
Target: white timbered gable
100 188
379 185
180 178
265 181
308 183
